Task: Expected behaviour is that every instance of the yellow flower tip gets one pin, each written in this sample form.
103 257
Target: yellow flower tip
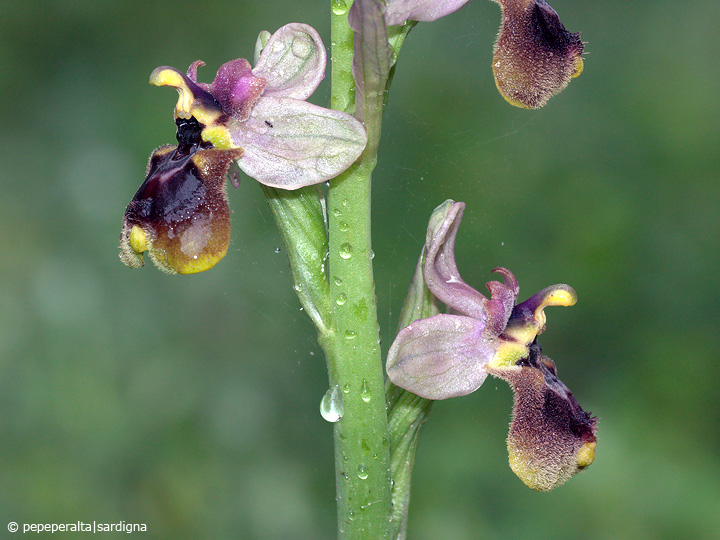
578 67
167 76
557 295
133 243
586 454
195 102
138 239
172 263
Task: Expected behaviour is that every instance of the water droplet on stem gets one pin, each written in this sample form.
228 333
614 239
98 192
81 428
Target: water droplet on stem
331 405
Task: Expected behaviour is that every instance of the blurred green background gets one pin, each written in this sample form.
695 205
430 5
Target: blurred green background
191 403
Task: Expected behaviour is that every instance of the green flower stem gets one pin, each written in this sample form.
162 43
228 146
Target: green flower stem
362 457
406 411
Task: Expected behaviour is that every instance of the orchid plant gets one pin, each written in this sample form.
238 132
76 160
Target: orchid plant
315 166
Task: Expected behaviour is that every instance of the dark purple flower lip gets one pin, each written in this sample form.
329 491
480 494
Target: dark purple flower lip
535 56
180 214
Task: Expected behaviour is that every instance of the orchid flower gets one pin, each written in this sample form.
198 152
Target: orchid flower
448 355
257 117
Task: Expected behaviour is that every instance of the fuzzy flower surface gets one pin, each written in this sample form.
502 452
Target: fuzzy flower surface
535 56
449 355
257 117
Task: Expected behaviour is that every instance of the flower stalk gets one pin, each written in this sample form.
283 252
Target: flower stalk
362 457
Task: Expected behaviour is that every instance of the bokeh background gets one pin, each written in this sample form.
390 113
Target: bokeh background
191 403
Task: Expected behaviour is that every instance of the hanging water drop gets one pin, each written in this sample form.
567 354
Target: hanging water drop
344 227
365 391
350 334
331 405
362 472
341 299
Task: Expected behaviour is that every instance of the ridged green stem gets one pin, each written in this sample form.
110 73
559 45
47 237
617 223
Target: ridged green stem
362 457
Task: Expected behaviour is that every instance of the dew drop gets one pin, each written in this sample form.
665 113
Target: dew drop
372 254
302 48
331 405
346 251
365 391
337 212
277 250
346 388
362 472
338 281
350 334
341 299
344 227
339 7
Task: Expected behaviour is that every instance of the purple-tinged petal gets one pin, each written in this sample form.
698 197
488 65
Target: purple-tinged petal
441 273
440 357
444 281
235 87
290 143
399 11
292 62
371 62
535 56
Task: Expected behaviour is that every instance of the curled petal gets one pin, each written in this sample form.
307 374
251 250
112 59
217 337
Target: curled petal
292 62
399 11
180 214
535 56
441 274
551 437
440 357
290 143
444 281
